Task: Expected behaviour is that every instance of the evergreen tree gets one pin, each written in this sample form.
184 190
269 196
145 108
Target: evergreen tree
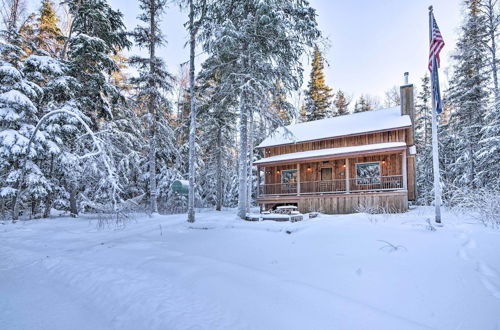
490 11
197 10
423 142
19 99
98 34
152 81
341 104
468 97
281 106
217 141
319 94
489 152
303 114
362 104
47 34
488 155
253 44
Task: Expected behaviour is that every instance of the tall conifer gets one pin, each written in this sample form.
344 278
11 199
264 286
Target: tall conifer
318 94
468 96
341 103
48 35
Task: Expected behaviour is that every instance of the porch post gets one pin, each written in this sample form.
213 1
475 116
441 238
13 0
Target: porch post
298 179
347 176
258 181
405 175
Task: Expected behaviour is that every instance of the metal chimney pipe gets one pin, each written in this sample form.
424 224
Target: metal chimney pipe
406 78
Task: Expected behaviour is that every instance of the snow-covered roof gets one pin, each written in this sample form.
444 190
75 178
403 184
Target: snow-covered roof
331 152
356 123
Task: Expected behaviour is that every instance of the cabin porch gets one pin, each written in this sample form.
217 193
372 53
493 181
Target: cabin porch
338 185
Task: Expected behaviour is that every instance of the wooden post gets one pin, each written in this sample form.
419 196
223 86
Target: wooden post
258 181
298 179
347 176
405 171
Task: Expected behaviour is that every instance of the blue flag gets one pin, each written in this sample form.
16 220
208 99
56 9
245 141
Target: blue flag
436 93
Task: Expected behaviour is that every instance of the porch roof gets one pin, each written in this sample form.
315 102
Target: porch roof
326 153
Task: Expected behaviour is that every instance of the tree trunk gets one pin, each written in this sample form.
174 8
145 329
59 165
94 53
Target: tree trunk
493 27
65 46
192 126
49 197
14 16
153 206
73 193
250 159
243 171
218 174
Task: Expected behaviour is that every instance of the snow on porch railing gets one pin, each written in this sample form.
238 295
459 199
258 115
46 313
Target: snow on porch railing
381 183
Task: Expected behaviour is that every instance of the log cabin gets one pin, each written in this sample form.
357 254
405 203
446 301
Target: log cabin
345 164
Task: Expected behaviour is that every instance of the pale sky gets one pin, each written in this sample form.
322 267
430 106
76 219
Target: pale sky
371 43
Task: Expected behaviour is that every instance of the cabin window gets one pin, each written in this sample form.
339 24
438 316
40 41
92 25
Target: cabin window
289 176
326 174
368 173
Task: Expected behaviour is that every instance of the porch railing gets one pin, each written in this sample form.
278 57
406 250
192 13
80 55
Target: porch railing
278 189
392 182
382 183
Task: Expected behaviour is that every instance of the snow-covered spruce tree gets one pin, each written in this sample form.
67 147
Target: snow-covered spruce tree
489 152
217 141
423 142
254 44
341 104
58 90
153 80
217 119
491 12
197 11
318 94
18 116
488 155
468 96
97 34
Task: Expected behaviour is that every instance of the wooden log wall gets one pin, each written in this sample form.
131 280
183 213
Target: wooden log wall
399 135
393 202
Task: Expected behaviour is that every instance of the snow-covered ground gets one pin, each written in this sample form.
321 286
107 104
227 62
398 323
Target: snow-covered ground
332 272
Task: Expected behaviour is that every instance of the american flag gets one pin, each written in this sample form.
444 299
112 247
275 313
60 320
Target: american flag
436 43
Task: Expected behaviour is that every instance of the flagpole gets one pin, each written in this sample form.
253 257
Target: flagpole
435 148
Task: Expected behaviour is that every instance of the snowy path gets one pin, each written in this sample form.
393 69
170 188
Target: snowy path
333 272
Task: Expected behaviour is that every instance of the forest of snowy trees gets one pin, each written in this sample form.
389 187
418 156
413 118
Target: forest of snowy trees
79 132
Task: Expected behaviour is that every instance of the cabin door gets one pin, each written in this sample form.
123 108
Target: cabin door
326 174
326 179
